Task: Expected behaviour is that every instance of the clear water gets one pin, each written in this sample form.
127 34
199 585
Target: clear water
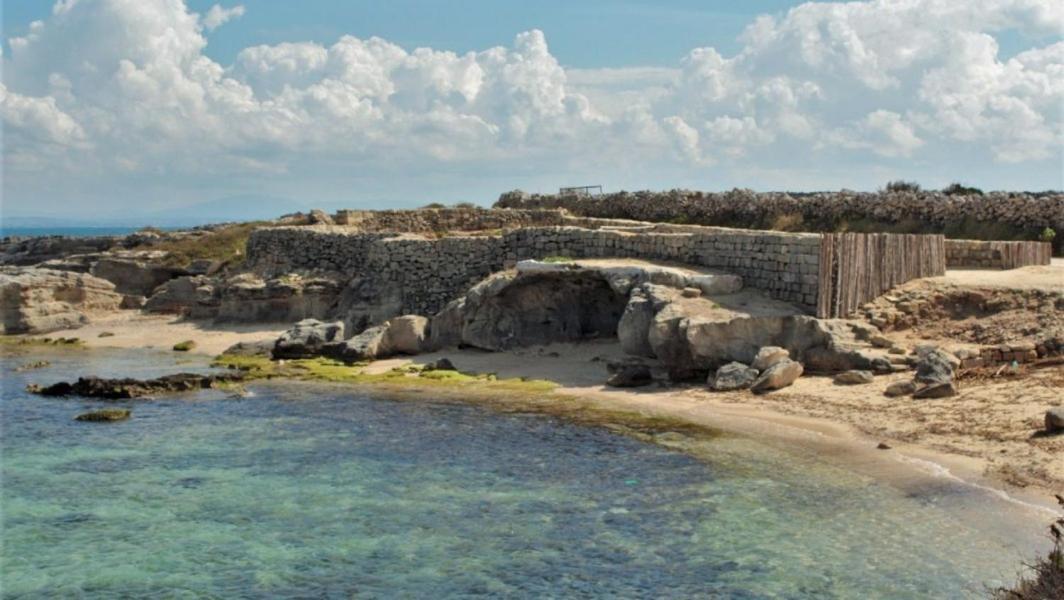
313 491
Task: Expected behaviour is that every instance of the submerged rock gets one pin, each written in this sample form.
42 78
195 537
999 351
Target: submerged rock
113 389
733 376
854 377
105 415
779 375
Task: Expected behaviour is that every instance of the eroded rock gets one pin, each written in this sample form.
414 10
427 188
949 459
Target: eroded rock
768 356
900 388
42 300
733 376
124 388
779 375
854 377
307 338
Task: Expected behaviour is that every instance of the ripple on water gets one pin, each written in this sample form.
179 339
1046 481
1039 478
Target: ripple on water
326 491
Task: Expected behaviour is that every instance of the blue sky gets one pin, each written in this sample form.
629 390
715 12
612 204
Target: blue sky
114 108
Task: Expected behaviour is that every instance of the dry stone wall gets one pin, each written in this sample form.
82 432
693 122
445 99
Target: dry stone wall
975 254
426 220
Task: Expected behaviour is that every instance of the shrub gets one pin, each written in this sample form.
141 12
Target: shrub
433 205
466 205
902 186
956 189
1048 573
557 259
226 244
1047 235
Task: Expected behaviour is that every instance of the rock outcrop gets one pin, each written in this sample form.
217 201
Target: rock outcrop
125 388
135 274
247 298
42 300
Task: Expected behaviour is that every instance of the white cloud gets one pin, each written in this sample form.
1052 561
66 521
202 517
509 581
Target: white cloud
123 86
217 16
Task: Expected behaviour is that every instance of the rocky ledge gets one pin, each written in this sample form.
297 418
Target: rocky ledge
42 300
125 388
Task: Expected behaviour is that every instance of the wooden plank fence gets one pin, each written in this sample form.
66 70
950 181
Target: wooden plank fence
856 268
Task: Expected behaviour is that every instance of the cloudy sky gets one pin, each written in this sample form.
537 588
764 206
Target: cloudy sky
122 108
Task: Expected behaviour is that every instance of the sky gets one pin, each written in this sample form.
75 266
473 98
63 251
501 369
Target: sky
118 110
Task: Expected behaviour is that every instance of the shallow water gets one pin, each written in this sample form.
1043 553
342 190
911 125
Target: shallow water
326 491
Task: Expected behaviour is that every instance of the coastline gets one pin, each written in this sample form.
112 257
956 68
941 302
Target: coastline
812 416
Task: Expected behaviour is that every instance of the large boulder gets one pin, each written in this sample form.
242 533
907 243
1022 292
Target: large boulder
407 334
935 366
779 375
307 338
733 376
42 300
137 274
900 388
291 297
634 326
668 341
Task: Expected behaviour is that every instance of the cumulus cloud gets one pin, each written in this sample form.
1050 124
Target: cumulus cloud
217 16
124 86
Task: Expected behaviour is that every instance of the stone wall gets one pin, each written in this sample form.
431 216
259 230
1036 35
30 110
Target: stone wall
1026 213
975 254
428 220
431 272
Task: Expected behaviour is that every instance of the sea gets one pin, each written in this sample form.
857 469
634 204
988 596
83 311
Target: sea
299 490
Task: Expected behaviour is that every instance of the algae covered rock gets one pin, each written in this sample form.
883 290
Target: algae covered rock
105 415
185 346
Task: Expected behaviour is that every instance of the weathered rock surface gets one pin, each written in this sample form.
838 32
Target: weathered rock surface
247 298
261 348
137 274
940 389
307 338
1055 420
768 356
779 375
407 334
368 345
628 374
115 389
854 377
733 376
195 296
42 300
900 388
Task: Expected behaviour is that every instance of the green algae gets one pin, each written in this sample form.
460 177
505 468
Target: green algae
15 341
184 346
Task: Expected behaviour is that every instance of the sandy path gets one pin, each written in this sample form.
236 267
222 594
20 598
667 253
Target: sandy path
1048 277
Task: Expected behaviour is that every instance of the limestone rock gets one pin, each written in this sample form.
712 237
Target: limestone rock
854 377
733 376
900 388
307 339
691 292
407 334
935 366
634 325
195 296
1055 420
42 300
768 356
629 374
941 389
781 374
368 345
668 340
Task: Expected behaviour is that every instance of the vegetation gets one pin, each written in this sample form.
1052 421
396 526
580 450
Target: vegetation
957 189
14 341
1048 235
435 205
184 346
1046 581
226 244
557 259
324 369
902 186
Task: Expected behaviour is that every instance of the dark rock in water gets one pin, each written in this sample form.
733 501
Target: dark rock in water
307 339
38 364
943 389
854 377
733 376
1055 420
114 389
440 364
628 374
104 415
900 388
779 375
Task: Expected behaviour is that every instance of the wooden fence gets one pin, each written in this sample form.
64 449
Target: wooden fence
975 254
856 268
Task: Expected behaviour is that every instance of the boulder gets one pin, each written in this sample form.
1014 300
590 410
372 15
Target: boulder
634 325
307 339
291 297
1055 420
42 300
733 376
780 375
941 389
854 377
628 374
407 334
668 340
368 345
935 366
319 217
440 364
900 388
768 356
691 292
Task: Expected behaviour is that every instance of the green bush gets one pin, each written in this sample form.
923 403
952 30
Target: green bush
902 186
956 189
1047 235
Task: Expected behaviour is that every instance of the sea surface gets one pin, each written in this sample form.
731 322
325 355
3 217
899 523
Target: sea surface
68 231
313 491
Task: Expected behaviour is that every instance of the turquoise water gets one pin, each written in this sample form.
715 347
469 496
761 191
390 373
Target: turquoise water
322 491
